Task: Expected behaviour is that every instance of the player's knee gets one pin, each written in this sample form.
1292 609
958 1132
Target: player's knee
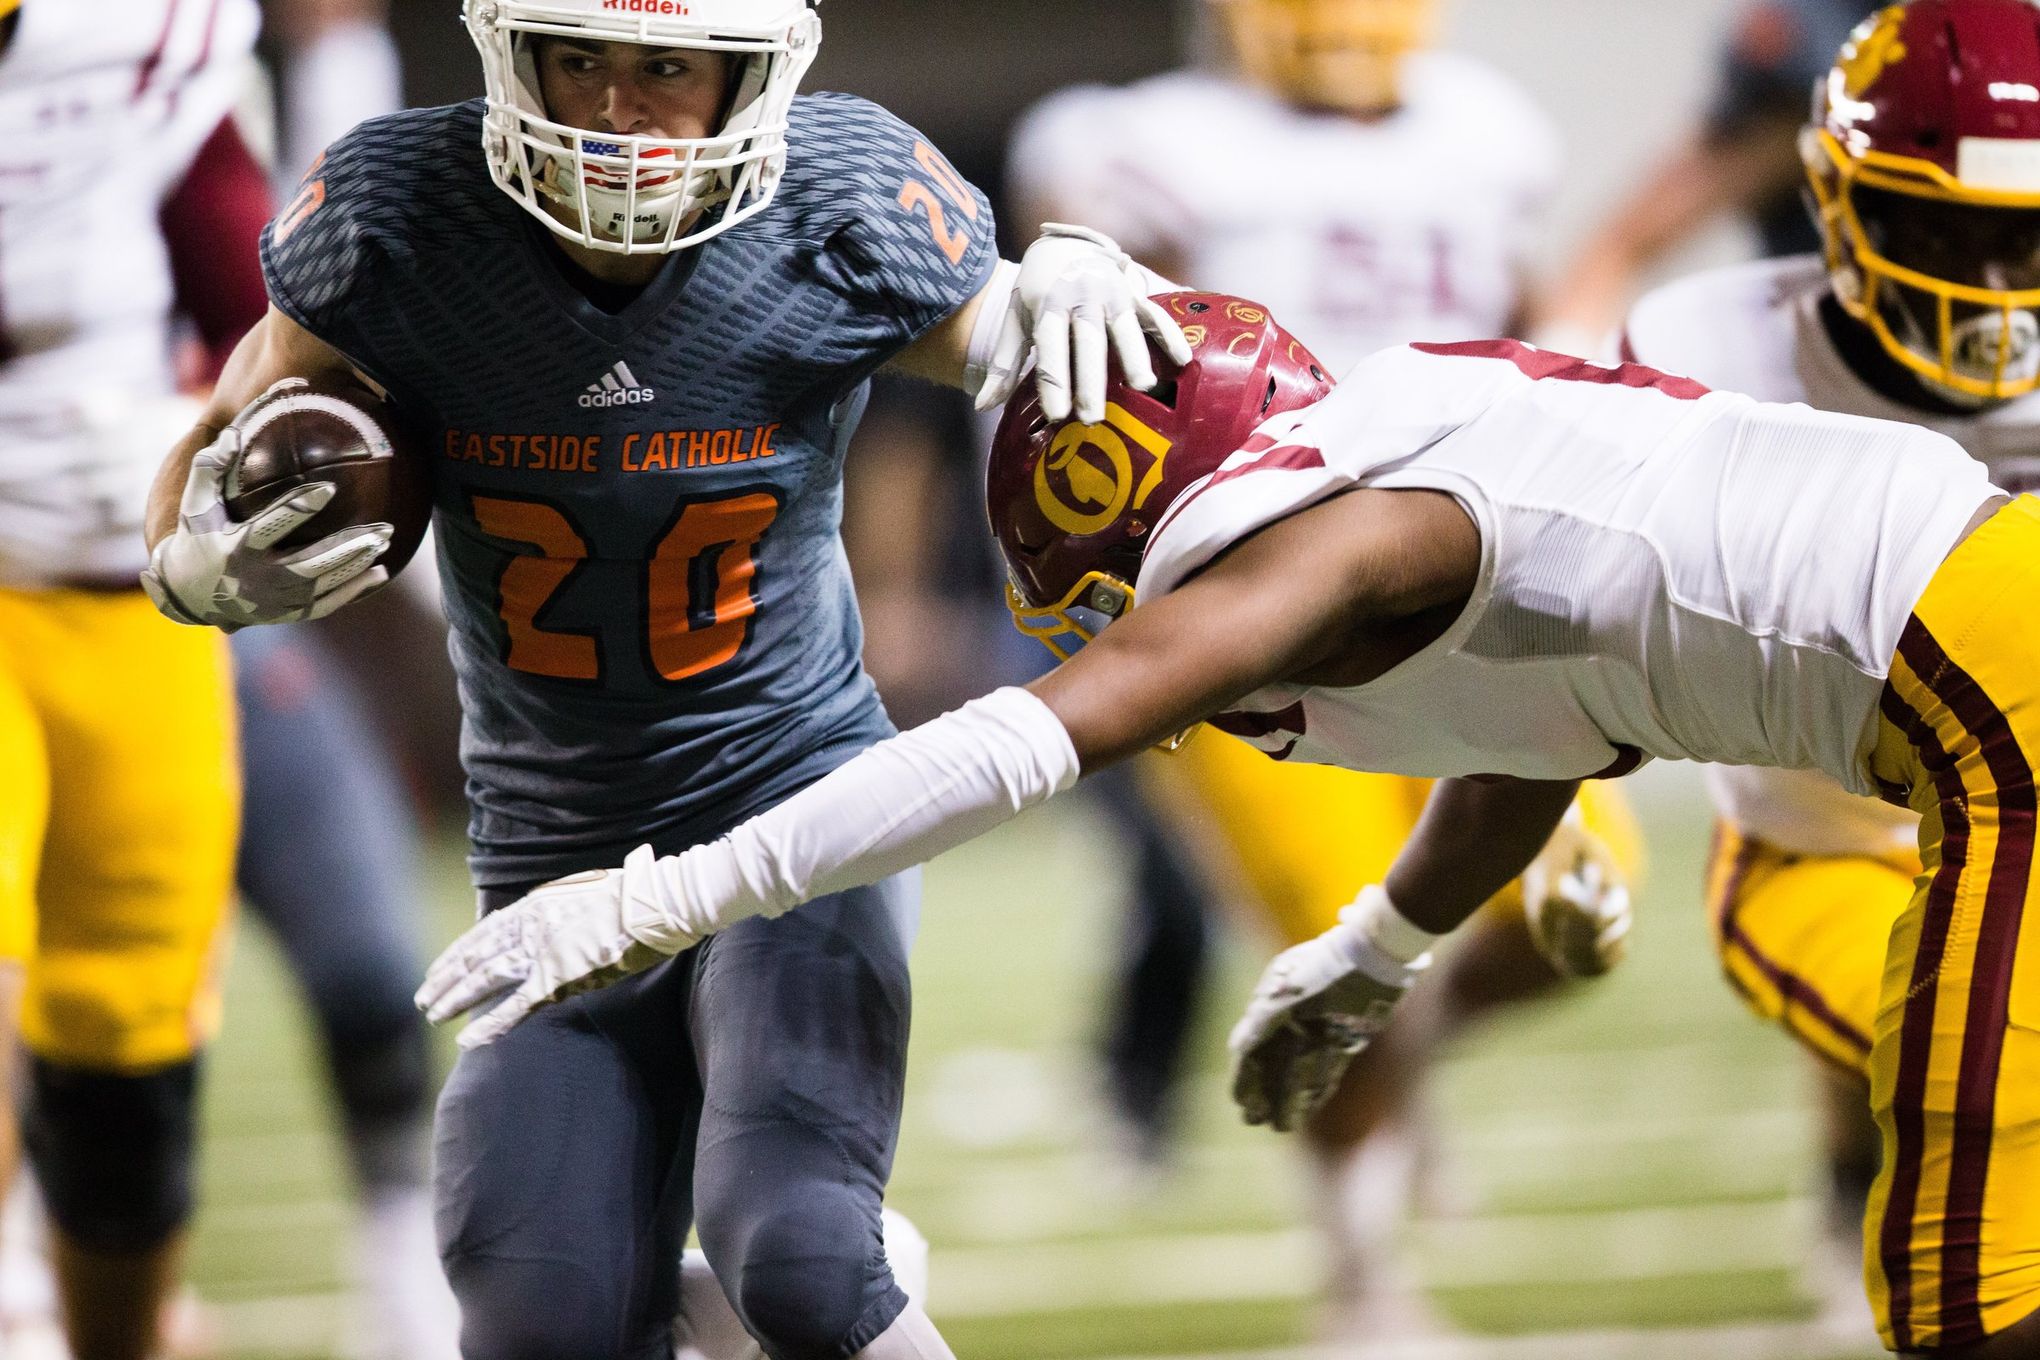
532 1310
113 1152
808 1279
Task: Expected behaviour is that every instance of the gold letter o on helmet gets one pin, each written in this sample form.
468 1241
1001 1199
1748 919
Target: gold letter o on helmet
1065 455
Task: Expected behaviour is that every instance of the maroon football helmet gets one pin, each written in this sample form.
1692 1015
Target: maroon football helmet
1073 504
1924 159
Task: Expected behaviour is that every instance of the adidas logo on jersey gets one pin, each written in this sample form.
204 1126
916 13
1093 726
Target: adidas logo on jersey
617 387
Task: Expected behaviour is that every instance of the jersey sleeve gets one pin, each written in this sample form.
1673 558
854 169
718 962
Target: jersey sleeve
916 240
318 253
1393 404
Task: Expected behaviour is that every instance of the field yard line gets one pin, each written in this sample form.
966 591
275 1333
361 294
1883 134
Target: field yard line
1513 1249
1473 1137
1752 1341
1623 1244
1513 1136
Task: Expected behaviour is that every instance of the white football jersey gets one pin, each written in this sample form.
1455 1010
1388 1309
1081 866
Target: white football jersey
1655 582
1757 328
1358 235
103 106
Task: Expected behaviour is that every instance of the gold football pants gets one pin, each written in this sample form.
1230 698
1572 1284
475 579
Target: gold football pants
1306 838
1802 938
1952 1238
117 826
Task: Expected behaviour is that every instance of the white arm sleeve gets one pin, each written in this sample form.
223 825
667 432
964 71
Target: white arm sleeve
997 300
901 802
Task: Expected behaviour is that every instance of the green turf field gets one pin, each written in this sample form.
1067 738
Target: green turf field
1628 1170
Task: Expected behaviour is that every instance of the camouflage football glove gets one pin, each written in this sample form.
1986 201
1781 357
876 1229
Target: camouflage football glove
225 572
1575 901
1316 1007
1078 296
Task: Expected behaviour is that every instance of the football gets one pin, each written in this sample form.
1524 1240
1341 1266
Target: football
338 432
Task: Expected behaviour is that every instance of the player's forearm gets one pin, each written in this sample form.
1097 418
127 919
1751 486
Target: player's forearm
276 348
160 520
946 354
250 357
1474 838
900 803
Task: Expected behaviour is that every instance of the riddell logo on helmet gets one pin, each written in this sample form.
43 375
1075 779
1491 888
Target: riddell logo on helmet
679 8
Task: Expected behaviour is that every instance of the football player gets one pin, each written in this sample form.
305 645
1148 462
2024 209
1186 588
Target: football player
1395 196
1924 162
327 863
339 65
1510 570
1739 160
116 731
633 295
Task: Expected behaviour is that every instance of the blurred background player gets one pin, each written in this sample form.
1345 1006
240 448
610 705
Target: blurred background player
326 845
328 863
328 857
1924 306
1395 191
1740 160
116 731
336 65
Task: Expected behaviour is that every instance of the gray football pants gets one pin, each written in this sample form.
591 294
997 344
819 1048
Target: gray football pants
326 862
751 1085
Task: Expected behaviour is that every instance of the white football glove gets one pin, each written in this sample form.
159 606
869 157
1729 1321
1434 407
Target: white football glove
1317 1005
1077 295
220 571
562 938
1575 902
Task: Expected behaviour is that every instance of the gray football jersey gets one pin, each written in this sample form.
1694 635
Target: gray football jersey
637 513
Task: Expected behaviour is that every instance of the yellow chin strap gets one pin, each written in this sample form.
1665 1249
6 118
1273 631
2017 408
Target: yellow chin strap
1834 175
1345 55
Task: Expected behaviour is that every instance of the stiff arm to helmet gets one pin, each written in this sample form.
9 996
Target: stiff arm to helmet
1074 504
1074 293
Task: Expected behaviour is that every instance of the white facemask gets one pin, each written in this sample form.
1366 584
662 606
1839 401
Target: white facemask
642 195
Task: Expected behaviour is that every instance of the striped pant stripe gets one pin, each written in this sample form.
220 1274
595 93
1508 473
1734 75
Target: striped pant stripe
1942 710
2010 780
1846 1042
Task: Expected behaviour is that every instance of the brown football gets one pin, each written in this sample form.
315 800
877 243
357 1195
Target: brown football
338 432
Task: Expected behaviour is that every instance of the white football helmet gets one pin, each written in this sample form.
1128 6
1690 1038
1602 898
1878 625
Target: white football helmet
634 195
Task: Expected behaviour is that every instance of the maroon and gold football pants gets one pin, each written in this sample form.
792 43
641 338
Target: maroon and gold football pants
1952 1236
